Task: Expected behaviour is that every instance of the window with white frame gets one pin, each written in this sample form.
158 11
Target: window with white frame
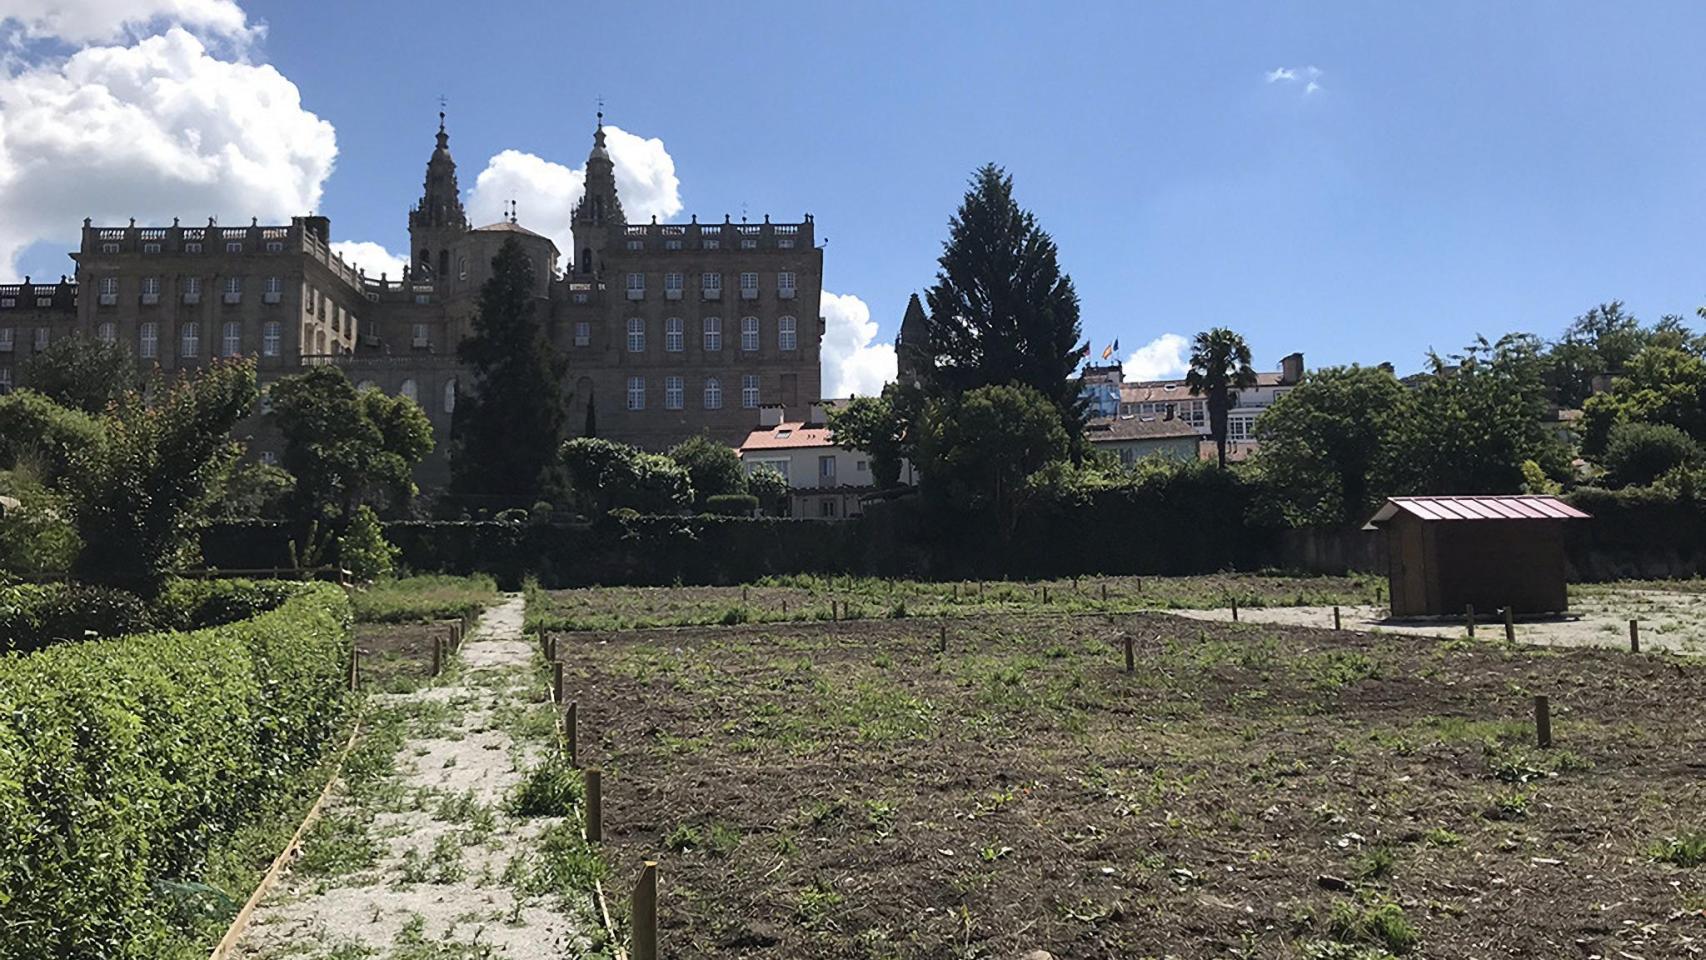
108 288
710 242
785 284
749 334
672 393
6 339
713 334
672 244
107 332
420 334
749 243
749 391
636 393
8 302
234 246
583 333
672 283
274 286
1238 428
787 334
109 248
749 285
46 301
674 335
636 244
637 283
231 339
461 268
189 339
826 469
41 336
148 340
711 284
271 336
410 389
713 393
192 247
233 287
6 377
275 246
151 248
192 286
150 288
636 335
450 395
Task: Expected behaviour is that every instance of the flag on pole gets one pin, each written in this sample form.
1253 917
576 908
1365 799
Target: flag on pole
1107 351
1086 353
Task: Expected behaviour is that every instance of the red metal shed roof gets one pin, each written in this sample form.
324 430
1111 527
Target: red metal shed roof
1524 507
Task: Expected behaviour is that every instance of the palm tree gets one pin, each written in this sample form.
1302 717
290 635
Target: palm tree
1220 364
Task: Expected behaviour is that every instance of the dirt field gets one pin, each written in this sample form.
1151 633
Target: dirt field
396 658
846 790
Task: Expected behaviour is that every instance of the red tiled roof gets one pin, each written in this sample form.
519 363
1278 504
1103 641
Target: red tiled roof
788 436
1116 429
1525 507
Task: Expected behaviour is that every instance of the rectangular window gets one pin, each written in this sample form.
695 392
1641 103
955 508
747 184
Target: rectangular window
710 243
748 285
43 302
421 337
192 247
8 302
713 334
711 284
108 289
231 339
749 391
151 286
233 289
636 393
107 332
785 285
749 334
6 377
148 340
41 336
784 243
672 393
583 333
270 338
674 335
275 285
672 286
672 244
787 334
713 394
636 286
749 243
192 288
636 244
234 246
109 248
6 336
636 335
275 246
189 339
826 468
151 248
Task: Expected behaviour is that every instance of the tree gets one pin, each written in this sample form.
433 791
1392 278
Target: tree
771 489
610 475
1220 364
510 426
1599 342
38 433
139 491
82 373
1639 453
875 426
1001 311
256 491
347 447
1660 385
363 549
712 468
1323 440
977 449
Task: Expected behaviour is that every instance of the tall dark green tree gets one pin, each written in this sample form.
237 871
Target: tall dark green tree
510 425
1600 342
1220 364
347 447
82 373
1001 311
1325 440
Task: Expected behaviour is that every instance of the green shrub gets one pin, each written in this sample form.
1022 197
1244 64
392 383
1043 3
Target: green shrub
122 761
420 599
363 550
550 788
36 616
1687 850
38 537
732 504
193 604
1639 453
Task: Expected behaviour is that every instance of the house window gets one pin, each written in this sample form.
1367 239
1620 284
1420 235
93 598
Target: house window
109 288
192 286
151 248
713 334
270 336
674 335
275 246
148 340
787 337
420 335
150 287
672 285
274 286
6 341
234 246
450 396
784 243
269 458
41 302
636 285
583 333
231 340
749 285
192 247
749 391
411 390
636 244
8 302
461 268
826 468
636 335
636 393
233 288
749 243
109 248
40 340
672 244
5 379
672 393
107 332
826 508
189 339
713 394
859 466
749 334
785 285
711 284
710 243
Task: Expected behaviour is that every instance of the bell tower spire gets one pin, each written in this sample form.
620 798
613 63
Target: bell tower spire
600 210
438 219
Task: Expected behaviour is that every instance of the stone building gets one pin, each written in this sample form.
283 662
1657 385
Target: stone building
670 330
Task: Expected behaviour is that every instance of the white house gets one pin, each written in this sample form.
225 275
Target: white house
825 480
1155 398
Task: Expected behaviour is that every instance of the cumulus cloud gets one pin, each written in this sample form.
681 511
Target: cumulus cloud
80 22
852 364
371 258
546 191
1160 359
157 129
1310 77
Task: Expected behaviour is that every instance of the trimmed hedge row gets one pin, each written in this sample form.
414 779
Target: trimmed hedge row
122 760
33 616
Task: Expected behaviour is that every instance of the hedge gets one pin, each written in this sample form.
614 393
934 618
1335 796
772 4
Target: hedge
33 616
122 760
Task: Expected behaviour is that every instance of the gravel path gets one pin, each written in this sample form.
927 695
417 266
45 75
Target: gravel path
423 859
1599 617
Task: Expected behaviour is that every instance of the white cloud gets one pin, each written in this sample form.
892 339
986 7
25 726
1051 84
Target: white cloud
546 192
1309 76
80 22
852 364
158 129
371 258
1160 359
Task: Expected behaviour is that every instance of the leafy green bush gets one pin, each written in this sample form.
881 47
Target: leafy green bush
37 537
732 504
37 616
194 604
363 550
122 761
1639 453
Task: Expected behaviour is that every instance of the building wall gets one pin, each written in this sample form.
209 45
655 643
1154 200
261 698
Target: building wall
1131 451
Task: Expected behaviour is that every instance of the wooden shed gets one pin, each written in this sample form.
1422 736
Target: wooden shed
1446 553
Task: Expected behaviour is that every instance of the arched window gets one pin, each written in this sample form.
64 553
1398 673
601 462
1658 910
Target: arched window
450 396
461 268
586 259
410 390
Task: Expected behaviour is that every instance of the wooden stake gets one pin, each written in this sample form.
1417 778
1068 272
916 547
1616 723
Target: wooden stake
742 594
644 914
556 681
1045 593
1104 593
784 608
569 743
1634 636
1510 625
551 647
1542 721
437 655
1337 624
943 643
1130 657
594 805
1469 619
354 667
1234 609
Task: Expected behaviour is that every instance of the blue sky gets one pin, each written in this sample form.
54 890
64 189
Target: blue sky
1422 173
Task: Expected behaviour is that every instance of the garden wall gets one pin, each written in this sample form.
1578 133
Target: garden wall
123 760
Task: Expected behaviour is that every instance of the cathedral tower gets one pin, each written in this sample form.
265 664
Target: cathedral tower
437 221
599 212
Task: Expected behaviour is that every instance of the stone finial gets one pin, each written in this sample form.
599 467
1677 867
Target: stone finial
254 221
174 221
767 218
133 221
86 222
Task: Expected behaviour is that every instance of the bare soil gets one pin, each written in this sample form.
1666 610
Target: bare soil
847 790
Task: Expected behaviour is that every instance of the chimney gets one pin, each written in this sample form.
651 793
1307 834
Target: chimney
1291 369
769 416
815 414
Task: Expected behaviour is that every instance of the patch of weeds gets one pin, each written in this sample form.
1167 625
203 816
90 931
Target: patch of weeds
1519 765
1376 863
338 845
1685 850
1381 923
1441 837
816 903
715 839
562 863
1512 805
464 809
442 865
550 788
1336 669
411 943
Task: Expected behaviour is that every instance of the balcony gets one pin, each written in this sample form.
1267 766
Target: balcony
785 293
749 293
421 343
709 293
149 299
5 346
109 299
639 294
271 296
192 297
233 297
672 294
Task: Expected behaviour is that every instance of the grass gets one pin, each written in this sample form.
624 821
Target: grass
1684 850
424 598
550 788
1381 924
